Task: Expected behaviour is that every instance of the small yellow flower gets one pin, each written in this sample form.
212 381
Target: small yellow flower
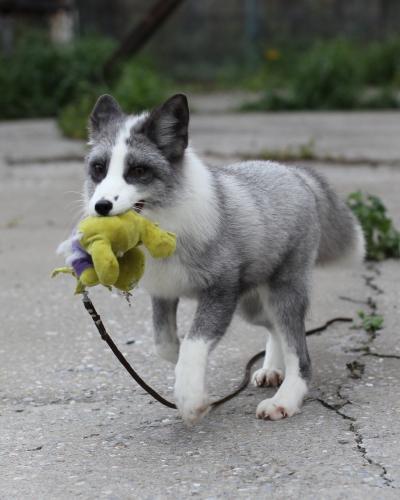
272 54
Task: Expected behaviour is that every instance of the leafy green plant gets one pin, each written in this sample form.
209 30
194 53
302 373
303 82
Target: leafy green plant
41 77
382 238
382 98
327 77
73 118
334 74
381 62
138 87
371 323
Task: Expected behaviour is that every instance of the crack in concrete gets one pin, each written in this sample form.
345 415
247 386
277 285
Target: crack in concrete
371 336
361 448
365 351
370 281
335 408
358 440
353 301
379 355
341 397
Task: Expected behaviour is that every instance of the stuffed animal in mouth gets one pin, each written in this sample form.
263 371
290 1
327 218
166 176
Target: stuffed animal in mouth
105 250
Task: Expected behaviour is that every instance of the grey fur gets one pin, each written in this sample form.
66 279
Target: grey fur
167 127
273 243
336 220
274 223
164 320
104 124
106 112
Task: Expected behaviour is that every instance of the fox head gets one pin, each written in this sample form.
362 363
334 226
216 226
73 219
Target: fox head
134 161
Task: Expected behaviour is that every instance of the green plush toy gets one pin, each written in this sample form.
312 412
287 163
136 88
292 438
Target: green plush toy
106 251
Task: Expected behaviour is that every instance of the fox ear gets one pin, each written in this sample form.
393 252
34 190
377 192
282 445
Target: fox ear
105 109
167 127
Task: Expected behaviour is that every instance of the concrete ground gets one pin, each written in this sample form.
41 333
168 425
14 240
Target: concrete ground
74 425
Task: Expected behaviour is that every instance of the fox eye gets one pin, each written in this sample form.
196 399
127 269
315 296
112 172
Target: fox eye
98 171
139 173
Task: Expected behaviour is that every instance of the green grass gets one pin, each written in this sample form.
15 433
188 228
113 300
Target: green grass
335 74
41 79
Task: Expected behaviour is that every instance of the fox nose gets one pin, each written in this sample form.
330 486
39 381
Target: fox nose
103 207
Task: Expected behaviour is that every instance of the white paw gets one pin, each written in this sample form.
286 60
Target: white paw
192 406
274 409
267 377
168 351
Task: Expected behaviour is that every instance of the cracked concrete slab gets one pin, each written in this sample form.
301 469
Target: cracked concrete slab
375 404
74 425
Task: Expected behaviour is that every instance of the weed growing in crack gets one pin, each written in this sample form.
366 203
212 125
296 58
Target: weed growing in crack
371 323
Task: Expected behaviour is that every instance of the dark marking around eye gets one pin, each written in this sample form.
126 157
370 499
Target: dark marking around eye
136 173
98 170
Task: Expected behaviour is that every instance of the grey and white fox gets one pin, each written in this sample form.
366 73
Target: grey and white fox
248 238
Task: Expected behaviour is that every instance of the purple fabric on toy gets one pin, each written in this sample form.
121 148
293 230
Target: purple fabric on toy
81 260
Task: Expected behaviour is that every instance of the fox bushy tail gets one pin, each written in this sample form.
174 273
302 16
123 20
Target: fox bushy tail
341 235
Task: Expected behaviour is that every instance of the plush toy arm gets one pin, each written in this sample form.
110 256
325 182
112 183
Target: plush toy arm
105 262
131 269
89 277
159 243
62 270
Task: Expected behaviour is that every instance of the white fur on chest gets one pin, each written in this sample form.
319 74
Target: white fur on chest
166 278
195 217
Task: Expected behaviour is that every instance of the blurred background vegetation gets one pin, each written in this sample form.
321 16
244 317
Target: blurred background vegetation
294 55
